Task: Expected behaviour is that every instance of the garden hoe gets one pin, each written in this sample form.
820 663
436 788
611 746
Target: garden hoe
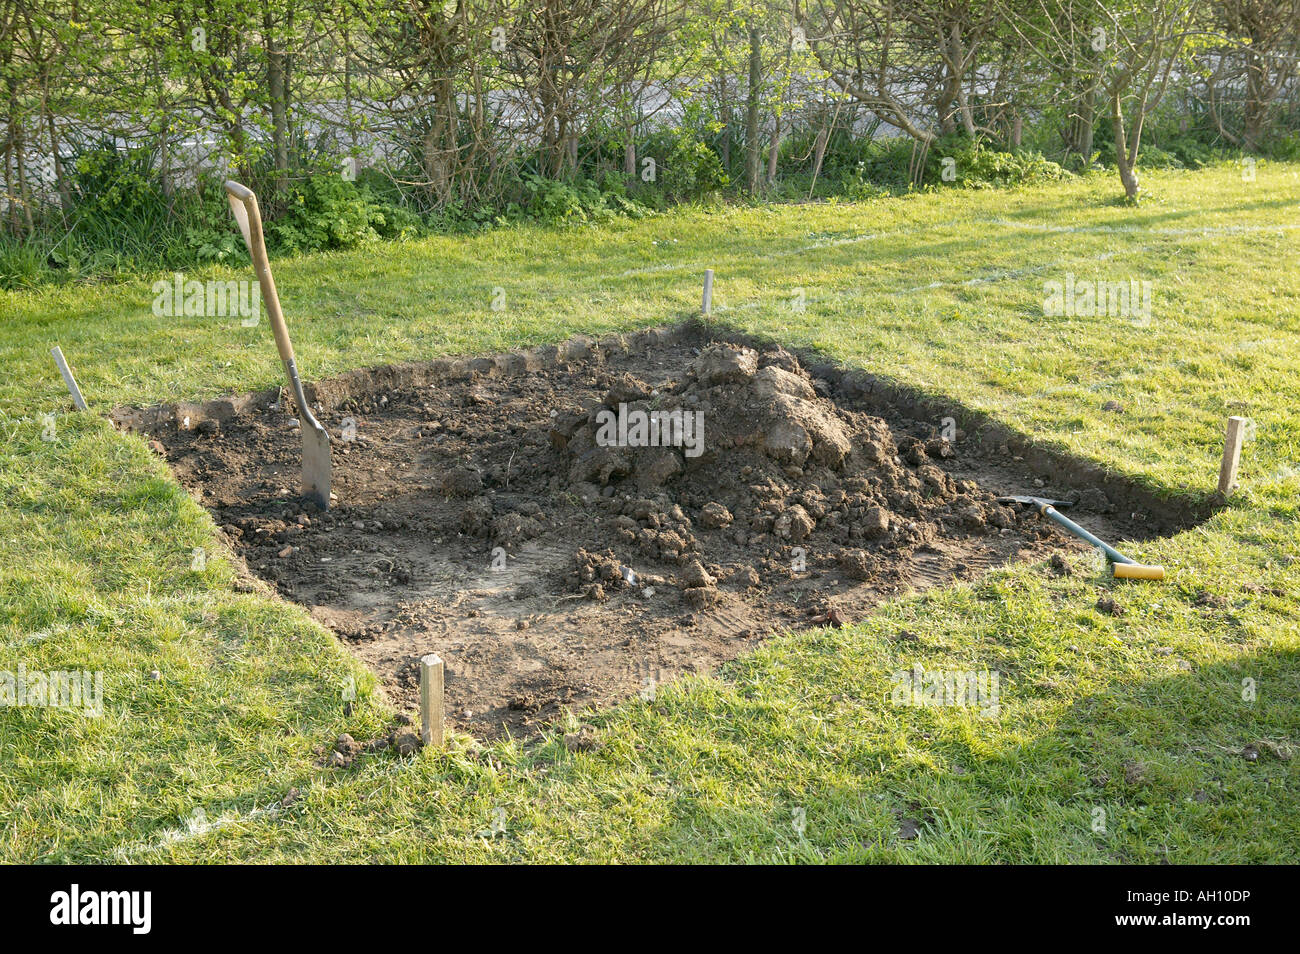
1122 567
315 439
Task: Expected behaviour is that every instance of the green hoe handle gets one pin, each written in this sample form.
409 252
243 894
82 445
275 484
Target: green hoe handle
1124 568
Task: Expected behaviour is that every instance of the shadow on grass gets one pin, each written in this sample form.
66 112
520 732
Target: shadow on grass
1174 768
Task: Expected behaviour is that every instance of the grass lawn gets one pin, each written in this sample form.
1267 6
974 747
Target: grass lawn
1119 738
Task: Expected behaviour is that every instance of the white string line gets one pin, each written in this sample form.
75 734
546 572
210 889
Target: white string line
196 826
1131 229
1005 223
967 282
783 253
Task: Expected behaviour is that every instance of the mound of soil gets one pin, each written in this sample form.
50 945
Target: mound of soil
571 525
780 475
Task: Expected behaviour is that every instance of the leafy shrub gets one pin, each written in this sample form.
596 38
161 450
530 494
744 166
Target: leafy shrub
327 211
978 166
575 203
691 169
882 162
210 233
1182 153
120 183
858 188
857 167
613 185
1192 153
556 203
1285 148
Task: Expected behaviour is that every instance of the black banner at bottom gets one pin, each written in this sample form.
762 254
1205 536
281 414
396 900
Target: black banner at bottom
336 904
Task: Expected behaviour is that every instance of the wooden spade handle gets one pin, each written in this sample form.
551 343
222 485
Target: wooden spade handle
243 200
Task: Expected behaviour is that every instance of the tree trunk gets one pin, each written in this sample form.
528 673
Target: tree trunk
725 103
1255 108
24 187
11 207
1087 128
348 98
164 144
629 151
1125 159
11 185
751 109
823 137
774 149
440 141
277 92
60 177
943 107
234 129
957 49
447 135
1083 123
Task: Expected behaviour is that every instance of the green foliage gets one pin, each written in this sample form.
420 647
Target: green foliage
885 162
558 203
575 203
1182 153
106 180
1171 140
121 222
693 169
853 166
22 263
687 168
208 235
327 211
1285 148
117 222
976 165
857 188
860 168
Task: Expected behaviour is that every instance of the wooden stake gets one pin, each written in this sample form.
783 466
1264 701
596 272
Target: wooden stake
431 670
707 307
1231 455
68 379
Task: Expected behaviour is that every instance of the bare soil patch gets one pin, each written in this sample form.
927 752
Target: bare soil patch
481 516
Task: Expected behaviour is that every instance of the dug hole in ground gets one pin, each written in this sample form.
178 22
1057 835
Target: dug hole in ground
480 516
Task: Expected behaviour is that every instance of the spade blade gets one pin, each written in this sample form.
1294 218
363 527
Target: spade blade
316 467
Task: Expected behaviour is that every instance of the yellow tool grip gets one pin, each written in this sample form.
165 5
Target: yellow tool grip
1136 571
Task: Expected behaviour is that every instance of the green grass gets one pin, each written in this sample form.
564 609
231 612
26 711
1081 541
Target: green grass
1141 716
